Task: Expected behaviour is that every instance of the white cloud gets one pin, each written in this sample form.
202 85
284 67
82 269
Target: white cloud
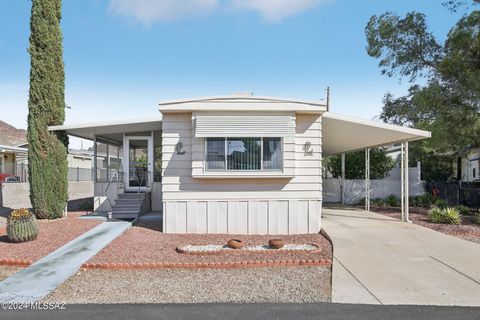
149 11
277 10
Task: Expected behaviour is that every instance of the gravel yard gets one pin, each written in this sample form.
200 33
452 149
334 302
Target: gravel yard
467 230
143 245
6 272
293 284
51 236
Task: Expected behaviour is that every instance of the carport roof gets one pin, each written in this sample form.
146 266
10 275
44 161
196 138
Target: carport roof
110 128
346 134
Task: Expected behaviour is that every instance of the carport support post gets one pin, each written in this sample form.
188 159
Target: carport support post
367 179
94 159
343 178
402 183
407 211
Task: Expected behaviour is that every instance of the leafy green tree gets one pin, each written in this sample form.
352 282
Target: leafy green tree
380 164
47 152
447 100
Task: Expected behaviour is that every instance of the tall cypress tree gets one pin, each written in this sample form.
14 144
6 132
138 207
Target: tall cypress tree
47 151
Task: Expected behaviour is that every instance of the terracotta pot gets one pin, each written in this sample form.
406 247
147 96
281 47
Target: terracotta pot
235 244
276 243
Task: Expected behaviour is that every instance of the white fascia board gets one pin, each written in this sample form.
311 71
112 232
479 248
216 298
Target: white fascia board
242 103
417 132
85 125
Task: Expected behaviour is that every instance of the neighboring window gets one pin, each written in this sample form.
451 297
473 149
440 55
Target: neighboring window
474 172
243 154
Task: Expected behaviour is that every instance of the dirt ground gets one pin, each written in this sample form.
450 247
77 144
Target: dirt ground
282 284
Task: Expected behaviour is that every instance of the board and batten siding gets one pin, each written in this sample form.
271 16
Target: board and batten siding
266 205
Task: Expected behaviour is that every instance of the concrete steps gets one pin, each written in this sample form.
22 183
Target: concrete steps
128 205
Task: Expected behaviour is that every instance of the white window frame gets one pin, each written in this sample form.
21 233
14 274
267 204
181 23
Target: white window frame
243 171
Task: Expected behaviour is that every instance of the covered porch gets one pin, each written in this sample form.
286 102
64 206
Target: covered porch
127 164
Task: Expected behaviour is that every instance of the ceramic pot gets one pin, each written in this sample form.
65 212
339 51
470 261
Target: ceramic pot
235 244
276 243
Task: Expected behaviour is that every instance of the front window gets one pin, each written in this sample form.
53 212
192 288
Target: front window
243 154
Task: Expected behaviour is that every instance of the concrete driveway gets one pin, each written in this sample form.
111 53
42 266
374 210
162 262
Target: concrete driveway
380 260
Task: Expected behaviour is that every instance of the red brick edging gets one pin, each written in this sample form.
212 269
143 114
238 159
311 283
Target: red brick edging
192 265
15 262
209 265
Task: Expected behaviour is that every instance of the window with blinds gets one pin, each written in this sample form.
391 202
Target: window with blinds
244 154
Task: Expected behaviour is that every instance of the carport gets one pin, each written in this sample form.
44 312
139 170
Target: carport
342 134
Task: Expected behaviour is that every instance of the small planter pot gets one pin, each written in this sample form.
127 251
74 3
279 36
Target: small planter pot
235 244
276 243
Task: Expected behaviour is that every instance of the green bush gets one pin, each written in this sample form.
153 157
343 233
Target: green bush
392 201
47 151
463 210
378 202
425 200
445 215
441 203
477 218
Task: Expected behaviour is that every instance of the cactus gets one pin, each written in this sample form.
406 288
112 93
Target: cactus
22 226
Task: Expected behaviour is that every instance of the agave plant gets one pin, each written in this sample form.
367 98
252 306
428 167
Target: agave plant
452 216
477 218
446 215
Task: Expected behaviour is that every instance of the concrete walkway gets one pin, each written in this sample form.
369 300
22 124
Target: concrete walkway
380 260
42 277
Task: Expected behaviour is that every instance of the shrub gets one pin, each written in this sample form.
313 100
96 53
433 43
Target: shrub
425 200
392 201
378 202
441 203
435 215
477 218
463 210
47 151
22 226
445 215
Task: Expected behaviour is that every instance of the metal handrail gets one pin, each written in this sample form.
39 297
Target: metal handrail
142 180
105 192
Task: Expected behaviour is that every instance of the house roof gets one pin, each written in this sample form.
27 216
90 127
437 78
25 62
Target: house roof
346 134
4 148
242 103
111 129
340 133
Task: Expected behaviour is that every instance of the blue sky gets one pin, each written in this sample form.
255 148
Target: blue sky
123 56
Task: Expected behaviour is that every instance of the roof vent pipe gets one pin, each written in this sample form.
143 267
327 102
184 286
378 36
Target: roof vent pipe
328 98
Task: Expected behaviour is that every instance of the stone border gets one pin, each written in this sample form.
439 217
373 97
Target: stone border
191 265
244 251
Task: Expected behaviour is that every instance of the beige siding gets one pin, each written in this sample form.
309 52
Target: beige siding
281 205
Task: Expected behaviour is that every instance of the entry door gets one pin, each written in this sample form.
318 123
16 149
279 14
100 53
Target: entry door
139 167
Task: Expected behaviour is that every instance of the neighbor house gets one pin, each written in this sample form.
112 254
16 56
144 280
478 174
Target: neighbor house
230 164
467 164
